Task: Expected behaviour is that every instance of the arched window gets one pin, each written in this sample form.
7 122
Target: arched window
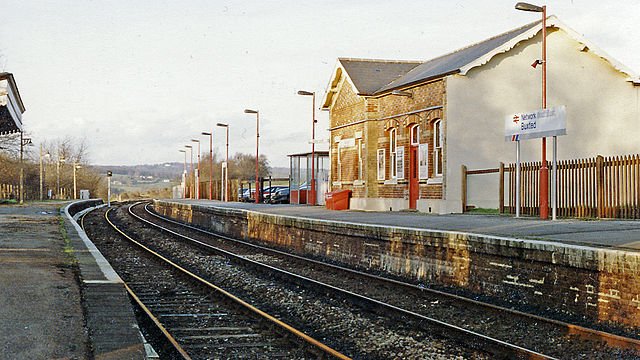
438 139
415 135
392 153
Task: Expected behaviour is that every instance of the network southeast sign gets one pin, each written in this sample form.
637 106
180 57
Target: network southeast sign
536 124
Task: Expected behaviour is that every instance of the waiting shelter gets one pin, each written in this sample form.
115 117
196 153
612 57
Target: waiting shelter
300 177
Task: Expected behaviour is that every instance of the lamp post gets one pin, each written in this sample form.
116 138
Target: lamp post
60 160
47 155
210 134
197 175
313 144
258 187
544 171
23 142
76 166
225 188
184 174
191 168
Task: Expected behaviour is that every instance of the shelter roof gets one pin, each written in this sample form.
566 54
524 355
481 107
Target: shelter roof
11 106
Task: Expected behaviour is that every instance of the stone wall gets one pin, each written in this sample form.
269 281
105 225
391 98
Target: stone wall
599 285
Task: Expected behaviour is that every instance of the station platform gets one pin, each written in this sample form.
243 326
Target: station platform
624 234
59 301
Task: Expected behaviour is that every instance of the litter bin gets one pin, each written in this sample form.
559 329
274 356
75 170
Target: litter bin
337 200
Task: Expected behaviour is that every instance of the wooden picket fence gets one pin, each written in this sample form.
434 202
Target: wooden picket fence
9 191
587 188
599 187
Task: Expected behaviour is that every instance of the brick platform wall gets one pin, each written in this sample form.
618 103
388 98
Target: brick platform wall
601 285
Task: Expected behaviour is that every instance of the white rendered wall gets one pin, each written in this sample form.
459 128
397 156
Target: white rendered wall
603 110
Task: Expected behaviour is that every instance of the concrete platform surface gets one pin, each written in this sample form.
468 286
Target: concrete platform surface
601 233
58 301
40 302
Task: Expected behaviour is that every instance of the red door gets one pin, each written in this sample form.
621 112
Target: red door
413 177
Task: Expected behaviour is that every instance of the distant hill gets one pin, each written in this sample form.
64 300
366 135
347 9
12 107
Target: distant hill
158 171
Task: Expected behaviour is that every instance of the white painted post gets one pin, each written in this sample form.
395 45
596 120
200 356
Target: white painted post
554 179
518 178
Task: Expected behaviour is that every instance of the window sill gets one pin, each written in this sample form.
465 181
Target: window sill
391 182
358 183
435 181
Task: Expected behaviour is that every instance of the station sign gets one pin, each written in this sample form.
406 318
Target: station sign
536 124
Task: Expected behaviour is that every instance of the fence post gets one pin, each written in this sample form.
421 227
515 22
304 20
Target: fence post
464 188
600 184
501 189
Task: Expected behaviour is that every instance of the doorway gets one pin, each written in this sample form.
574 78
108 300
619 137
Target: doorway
413 177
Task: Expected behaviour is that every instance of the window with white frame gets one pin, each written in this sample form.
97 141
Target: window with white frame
381 164
392 153
437 147
415 135
339 177
359 159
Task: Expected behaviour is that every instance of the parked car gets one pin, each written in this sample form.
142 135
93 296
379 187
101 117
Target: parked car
244 196
280 197
268 192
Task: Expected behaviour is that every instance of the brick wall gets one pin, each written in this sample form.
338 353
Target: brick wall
599 285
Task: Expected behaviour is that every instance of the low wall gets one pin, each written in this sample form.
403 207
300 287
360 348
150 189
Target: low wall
599 285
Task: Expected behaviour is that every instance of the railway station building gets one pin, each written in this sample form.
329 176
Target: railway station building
400 131
11 106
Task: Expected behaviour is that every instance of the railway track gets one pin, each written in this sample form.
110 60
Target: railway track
197 319
545 336
496 348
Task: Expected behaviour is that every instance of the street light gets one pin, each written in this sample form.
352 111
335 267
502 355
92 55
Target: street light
258 187
312 196
544 171
184 174
23 143
47 155
210 134
197 176
76 166
191 168
225 188
60 161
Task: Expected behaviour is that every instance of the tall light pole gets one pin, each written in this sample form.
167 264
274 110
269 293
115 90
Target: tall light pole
47 155
312 196
60 161
197 177
191 168
544 171
210 134
225 188
258 187
184 174
23 142
76 166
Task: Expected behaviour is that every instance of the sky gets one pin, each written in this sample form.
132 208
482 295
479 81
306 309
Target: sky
137 80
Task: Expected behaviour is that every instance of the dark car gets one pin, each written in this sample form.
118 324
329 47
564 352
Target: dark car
268 192
244 196
280 197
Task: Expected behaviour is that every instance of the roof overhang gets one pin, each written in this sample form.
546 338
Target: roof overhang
553 21
11 106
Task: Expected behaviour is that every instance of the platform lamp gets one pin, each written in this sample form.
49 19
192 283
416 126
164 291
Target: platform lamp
313 144
544 171
47 155
191 168
184 174
76 166
210 134
258 187
197 177
23 142
60 160
226 162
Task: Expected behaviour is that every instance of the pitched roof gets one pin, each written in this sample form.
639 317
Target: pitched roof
453 62
369 75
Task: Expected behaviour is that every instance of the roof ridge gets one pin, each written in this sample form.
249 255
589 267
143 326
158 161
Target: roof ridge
382 60
487 39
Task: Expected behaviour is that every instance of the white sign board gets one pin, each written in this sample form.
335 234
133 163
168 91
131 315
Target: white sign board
400 162
423 161
536 124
